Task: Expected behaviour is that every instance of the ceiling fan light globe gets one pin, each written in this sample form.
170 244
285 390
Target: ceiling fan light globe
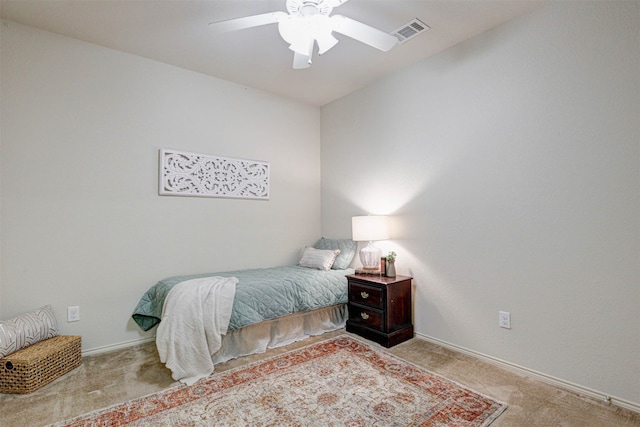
320 25
293 30
302 46
326 42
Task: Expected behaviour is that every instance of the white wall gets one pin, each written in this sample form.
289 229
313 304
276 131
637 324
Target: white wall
81 220
511 165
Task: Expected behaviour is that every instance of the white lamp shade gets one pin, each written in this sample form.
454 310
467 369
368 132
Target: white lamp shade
369 228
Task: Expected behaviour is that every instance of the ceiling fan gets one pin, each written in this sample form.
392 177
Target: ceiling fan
307 23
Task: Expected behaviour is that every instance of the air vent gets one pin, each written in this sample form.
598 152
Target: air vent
410 30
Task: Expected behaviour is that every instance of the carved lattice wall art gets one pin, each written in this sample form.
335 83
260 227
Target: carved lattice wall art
191 174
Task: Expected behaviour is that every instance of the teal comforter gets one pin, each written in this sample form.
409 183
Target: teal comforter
261 294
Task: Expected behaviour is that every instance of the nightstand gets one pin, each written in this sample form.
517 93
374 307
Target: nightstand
380 308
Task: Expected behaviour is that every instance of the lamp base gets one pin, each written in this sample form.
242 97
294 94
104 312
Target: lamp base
365 272
370 257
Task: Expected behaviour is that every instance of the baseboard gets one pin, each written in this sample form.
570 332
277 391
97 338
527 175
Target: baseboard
119 346
576 388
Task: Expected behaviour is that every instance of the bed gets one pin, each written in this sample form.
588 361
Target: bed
206 319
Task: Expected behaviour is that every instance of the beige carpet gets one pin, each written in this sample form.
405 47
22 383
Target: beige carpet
111 378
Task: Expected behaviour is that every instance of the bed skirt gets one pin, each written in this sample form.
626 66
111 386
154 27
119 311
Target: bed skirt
279 332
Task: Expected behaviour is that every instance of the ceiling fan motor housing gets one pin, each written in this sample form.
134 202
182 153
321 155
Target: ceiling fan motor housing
309 7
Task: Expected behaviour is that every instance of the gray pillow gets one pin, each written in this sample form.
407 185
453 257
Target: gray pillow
347 249
27 329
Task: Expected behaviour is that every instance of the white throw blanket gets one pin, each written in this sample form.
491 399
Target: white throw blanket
195 315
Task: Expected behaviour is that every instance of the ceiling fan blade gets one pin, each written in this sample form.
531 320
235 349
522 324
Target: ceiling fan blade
247 22
302 56
301 61
363 33
303 46
336 3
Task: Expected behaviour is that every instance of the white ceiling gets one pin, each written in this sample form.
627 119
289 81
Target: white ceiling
176 32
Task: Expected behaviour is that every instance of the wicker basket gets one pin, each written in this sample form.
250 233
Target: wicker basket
35 366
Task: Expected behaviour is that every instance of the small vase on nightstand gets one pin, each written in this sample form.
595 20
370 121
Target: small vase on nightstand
391 268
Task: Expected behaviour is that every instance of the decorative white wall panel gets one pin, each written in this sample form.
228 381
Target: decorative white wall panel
191 174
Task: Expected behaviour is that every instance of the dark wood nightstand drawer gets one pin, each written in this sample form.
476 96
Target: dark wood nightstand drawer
366 316
366 295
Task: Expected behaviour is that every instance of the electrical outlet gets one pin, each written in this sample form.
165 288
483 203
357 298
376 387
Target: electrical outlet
504 319
73 314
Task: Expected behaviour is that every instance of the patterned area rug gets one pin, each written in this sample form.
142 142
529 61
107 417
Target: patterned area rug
337 382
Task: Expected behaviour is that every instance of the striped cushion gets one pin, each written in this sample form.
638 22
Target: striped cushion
27 329
347 251
318 258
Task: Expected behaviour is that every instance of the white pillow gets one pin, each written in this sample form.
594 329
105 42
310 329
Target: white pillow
27 329
320 259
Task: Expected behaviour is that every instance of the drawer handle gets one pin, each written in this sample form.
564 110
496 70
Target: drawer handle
364 295
364 315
